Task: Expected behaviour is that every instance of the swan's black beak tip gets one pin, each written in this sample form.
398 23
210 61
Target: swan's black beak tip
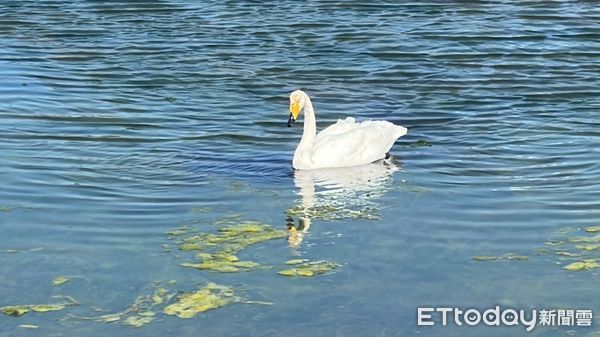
291 121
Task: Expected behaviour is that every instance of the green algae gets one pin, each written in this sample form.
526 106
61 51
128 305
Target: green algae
585 242
296 261
588 247
108 318
144 305
232 238
145 308
222 268
592 229
20 310
509 257
217 252
212 296
585 239
420 143
178 231
47 307
581 250
160 295
15 310
229 219
485 258
140 312
139 320
516 257
221 262
309 269
60 280
567 254
187 246
219 249
582 265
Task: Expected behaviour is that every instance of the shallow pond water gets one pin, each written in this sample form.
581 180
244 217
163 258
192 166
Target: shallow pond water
121 122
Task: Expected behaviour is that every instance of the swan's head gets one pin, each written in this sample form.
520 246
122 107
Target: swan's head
297 100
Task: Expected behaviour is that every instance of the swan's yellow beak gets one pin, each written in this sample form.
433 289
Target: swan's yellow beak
294 111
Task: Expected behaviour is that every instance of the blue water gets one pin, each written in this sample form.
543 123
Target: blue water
120 121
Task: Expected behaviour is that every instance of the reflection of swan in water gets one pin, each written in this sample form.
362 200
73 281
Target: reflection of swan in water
338 193
297 233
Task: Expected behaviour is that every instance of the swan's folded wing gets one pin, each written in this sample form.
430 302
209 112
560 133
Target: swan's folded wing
342 126
365 143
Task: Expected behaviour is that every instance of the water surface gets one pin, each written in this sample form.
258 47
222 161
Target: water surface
122 121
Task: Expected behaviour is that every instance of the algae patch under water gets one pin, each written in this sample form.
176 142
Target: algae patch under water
232 238
221 262
225 243
582 265
585 239
420 143
582 252
592 229
146 308
229 240
60 280
509 257
588 247
20 310
141 319
212 296
140 312
217 252
305 268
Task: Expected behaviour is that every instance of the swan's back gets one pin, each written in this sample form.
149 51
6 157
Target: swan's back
342 126
348 143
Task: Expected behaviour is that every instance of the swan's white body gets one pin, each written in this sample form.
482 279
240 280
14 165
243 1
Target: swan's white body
345 143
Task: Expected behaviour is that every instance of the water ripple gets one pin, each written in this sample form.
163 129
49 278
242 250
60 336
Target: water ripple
116 117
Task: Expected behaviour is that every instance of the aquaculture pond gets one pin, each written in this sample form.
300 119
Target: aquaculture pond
146 186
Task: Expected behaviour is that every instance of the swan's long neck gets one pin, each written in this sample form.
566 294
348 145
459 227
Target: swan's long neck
310 125
302 156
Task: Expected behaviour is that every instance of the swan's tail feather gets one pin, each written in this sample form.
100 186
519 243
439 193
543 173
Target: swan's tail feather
400 131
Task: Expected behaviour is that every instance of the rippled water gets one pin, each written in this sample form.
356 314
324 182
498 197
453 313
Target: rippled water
119 121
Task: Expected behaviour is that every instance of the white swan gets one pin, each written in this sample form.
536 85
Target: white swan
345 143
